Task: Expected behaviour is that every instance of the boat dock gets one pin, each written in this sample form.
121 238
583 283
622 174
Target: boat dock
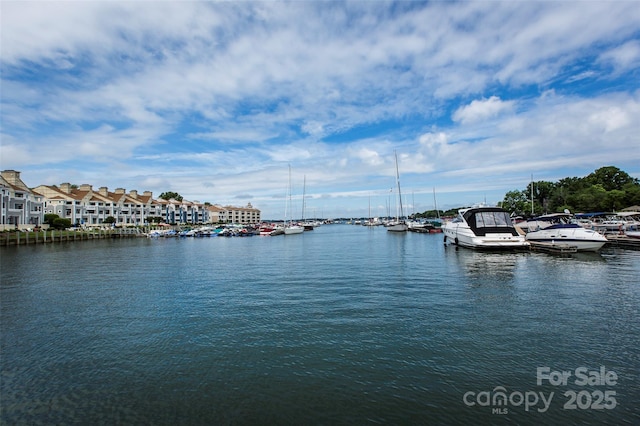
53 236
559 248
623 241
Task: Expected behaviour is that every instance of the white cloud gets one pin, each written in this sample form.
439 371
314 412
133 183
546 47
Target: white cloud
484 109
623 58
227 93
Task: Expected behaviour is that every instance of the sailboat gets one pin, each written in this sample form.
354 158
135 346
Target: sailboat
290 228
399 225
308 226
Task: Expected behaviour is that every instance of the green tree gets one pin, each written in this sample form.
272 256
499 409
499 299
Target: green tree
170 195
49 218
61 223
542 194
590 199
614 200
607 188
632 194
610 178
515 202
110 220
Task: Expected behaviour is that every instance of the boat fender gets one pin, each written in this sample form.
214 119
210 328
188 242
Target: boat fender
445 239
456 241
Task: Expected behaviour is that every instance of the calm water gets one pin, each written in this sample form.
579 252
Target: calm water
341 325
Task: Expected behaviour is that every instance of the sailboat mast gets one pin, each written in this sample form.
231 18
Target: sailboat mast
532 194
398 182
290 204
304 190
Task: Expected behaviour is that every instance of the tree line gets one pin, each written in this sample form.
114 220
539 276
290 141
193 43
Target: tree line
607 189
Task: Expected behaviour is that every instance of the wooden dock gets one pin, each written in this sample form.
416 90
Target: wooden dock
53 236
623 241
559 248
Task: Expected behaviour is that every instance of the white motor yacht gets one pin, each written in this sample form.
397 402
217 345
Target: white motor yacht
483 228
571 234
561 228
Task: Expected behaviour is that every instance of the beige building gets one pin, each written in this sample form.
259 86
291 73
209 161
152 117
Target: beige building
240 215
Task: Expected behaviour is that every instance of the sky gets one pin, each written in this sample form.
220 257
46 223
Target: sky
217 100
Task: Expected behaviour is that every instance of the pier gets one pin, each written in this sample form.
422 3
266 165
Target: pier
553 248
53 236
623 241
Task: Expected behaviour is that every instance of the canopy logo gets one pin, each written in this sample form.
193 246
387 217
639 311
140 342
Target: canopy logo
500 400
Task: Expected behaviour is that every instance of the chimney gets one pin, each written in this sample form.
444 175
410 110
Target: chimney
65 187
148 194
133 193
103 191
11 176
119 191
86 187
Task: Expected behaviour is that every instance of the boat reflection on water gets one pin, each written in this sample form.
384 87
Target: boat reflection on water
487 264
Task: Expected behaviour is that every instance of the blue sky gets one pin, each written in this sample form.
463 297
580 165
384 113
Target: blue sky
215 100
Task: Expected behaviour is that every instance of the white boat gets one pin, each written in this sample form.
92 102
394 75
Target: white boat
399 225
291 228
571 234
612 223
544 221
278 230
483 228
561 228
632 231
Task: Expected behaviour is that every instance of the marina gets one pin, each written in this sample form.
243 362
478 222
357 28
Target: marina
341 325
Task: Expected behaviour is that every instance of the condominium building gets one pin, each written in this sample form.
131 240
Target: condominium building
85 206
232 214
242 215
183 212
21 207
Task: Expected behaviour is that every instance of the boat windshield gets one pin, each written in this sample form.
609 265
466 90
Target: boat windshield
492 219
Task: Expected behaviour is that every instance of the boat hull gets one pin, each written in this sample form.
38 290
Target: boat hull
633 234
490 241
292 230
464 237
582 239
398 227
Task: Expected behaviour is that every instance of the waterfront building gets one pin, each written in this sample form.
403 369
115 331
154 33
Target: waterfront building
183 212
85 206
232 214
217 214
21 207
242 215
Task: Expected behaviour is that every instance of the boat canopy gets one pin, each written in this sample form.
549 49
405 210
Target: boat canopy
592 215
489 220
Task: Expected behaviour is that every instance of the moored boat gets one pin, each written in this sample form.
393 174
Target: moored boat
571 234
561 228
483 228
292 229
399 225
